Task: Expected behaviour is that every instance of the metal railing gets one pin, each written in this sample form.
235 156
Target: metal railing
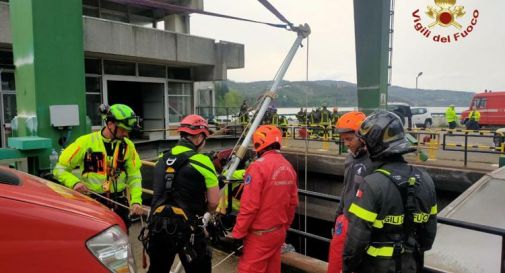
440 220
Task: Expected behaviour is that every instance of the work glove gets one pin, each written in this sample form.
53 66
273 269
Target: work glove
80 187
238 246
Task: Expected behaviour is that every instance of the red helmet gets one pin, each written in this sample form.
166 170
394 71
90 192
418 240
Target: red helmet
350 122
265 136
194 125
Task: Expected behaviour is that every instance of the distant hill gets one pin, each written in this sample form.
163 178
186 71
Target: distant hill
339 93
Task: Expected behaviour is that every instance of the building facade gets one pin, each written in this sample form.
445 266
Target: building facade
164 74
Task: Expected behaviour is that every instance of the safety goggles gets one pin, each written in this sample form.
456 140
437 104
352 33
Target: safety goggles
131 123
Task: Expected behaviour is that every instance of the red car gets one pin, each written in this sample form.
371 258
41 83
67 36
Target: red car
46 227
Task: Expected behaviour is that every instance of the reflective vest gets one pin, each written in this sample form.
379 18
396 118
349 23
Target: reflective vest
97 169
275 119
474 115
325 117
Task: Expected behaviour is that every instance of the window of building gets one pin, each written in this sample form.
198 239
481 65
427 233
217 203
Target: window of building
6 59
179 73
93 66
8 82
204 107
93 99
151 70
179 100
9 105
119 68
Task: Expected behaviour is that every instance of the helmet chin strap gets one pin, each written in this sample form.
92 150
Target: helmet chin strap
191 140
114 137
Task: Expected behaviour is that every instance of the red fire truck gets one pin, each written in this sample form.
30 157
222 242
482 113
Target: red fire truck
491 106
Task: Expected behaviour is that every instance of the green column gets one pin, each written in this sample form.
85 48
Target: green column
371 20
47 39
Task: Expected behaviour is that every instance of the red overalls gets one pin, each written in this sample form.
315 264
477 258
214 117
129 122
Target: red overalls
267 209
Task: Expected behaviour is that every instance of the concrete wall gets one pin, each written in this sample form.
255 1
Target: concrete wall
5 26
110 39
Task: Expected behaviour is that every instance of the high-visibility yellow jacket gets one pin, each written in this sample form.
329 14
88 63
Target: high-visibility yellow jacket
475 115
450 114
96 167
236 191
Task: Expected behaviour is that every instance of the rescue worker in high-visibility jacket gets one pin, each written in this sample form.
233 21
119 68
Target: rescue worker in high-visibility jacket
473 119
185 187
108 162
450 116
237 187
357 166
268 204
392 219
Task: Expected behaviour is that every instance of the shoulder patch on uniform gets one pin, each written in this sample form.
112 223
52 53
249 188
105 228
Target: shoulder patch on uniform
359 193
247 179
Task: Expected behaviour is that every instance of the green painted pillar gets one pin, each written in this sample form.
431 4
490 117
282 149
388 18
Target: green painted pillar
47 39
371 27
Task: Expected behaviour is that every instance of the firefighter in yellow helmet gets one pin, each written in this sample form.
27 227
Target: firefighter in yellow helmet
108 162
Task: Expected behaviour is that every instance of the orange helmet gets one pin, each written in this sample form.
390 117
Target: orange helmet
350 122
265 136
194 125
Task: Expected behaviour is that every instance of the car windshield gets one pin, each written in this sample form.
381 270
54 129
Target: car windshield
418 111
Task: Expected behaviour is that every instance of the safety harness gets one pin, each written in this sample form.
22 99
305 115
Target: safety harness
407 184
160 220
98 162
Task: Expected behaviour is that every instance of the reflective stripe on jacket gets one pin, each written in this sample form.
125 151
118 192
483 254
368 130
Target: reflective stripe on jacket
89 153
376 219
356 168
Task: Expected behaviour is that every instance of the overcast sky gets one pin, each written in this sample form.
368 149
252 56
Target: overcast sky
473 63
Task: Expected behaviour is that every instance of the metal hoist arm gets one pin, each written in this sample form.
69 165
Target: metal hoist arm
302 33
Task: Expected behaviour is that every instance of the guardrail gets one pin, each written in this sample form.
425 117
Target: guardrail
441 220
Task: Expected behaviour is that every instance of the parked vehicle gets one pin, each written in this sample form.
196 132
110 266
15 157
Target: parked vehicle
49 228
491 106
403 111
421 117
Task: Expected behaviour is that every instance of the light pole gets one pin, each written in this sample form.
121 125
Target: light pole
418 75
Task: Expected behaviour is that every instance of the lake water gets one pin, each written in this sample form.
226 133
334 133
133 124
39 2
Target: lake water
434 110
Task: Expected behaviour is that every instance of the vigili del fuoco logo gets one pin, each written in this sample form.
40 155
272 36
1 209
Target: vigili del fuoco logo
446 22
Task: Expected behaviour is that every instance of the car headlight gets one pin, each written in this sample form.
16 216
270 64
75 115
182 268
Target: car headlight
112 248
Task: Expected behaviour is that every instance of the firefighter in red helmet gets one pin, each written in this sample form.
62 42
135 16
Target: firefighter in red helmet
268 204
185 188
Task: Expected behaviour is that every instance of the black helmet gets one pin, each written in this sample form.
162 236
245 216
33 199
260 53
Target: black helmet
384 135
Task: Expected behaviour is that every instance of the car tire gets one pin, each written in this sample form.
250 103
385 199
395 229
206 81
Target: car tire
427 124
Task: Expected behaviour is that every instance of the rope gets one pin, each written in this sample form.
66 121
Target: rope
115 202
227 257
275 12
